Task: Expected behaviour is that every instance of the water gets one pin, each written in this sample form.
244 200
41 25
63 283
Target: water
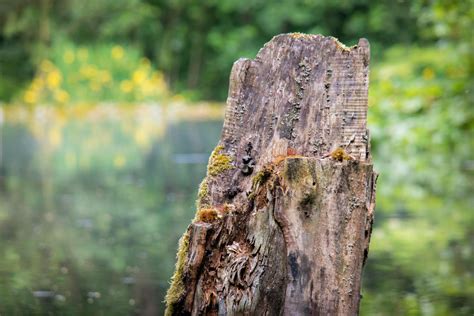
93 199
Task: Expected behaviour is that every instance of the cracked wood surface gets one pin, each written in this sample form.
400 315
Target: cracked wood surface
292 223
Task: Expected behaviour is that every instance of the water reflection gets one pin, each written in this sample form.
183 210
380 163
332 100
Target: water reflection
93 201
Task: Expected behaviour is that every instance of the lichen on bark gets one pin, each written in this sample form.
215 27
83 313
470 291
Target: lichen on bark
203 195
219 162
177 286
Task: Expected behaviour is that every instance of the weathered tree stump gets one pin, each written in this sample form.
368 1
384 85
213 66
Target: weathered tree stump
285 212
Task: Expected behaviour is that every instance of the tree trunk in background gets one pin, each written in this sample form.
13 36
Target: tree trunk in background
285 213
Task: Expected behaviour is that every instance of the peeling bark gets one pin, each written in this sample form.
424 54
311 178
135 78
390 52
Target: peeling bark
288 201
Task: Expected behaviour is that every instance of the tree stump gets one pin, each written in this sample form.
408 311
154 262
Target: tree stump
284 215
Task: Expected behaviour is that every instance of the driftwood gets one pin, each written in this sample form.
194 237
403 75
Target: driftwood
284 215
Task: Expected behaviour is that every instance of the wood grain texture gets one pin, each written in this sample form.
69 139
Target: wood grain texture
293 222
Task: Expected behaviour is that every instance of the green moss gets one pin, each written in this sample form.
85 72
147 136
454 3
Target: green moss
340 154
176 290
203 195
219 162
261 177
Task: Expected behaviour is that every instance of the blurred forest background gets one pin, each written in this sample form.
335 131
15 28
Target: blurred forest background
110 108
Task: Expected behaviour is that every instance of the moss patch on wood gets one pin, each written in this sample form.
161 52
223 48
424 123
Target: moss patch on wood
300 35
340 45
262 176
176 290
203 195
339 154
206 215
219 162
260 184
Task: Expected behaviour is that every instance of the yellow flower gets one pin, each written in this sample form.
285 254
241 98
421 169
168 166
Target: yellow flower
69 57
147 88
61 96
138 76
30 97
119 161
53 79
117 52
126 86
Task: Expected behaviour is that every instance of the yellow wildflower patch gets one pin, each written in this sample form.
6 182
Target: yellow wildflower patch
61 96
117 52
53 79
126 86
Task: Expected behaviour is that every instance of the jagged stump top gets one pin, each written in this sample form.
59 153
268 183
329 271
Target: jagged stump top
302 95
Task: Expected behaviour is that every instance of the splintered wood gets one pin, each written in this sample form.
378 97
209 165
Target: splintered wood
293 219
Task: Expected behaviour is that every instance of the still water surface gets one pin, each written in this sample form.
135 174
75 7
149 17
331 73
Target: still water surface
94 198
93 201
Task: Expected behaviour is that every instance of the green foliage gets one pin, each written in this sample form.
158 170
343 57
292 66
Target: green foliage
95 74
422 123
421 119
195 43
